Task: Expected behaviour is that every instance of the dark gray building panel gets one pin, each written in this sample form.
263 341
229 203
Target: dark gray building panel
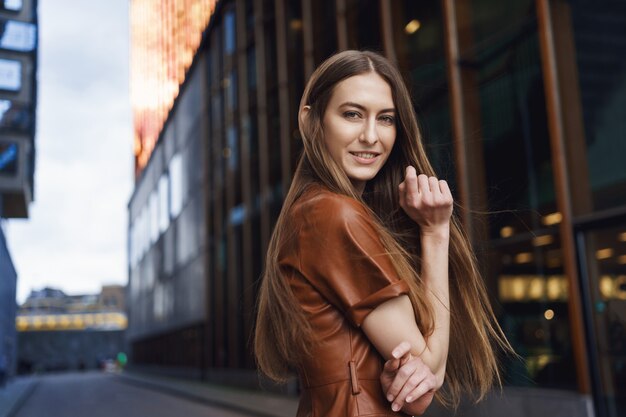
8 307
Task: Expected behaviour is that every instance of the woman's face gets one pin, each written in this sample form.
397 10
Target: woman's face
360 126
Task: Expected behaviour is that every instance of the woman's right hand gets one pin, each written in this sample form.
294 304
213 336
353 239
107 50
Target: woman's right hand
426 200
408 383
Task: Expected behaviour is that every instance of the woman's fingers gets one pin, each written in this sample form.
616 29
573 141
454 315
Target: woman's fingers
423 184
402 376
417 190
426 200
433 184
402 194
406 378
417 384
401 350
412 189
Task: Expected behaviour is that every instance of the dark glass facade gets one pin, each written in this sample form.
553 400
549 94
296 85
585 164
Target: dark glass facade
521 108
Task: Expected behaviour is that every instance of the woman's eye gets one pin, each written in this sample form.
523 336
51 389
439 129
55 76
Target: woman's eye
351 115
388 119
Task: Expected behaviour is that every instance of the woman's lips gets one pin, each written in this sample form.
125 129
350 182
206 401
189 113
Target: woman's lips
365 158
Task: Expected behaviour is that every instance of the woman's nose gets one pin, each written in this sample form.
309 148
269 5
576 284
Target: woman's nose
369 134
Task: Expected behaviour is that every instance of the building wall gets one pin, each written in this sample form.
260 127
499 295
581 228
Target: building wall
8 307
45 351
518 104
167 240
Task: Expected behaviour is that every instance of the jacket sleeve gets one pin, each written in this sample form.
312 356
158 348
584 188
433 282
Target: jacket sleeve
342 256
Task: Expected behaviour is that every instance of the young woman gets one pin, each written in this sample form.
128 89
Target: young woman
367 262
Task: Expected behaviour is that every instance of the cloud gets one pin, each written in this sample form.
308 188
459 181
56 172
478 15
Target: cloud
75 238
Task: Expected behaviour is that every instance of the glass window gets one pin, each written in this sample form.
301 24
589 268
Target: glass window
176 185
231 91
16 117
419 46
10 75
600 42
18 36
216 111
324 29
158 302
363 19
506 108
9 152
251 70
153 204
12 5
233 148
604 260
164 212
132 242
229 32
142 232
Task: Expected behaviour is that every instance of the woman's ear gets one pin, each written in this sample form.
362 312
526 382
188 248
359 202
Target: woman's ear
304 112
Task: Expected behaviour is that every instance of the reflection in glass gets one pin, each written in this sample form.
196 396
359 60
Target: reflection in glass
176 185
533 292
605 256
503 88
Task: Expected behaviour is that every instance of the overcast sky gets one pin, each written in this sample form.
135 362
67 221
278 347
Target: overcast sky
75 238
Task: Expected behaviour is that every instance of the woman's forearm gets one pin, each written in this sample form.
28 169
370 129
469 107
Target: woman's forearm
434 273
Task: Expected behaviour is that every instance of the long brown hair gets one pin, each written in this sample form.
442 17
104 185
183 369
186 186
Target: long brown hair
283 335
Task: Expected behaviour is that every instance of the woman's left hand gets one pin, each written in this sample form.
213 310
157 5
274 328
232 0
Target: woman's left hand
408 383
426 200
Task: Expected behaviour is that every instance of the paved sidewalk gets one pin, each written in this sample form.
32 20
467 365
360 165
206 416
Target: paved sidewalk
13 395
257 403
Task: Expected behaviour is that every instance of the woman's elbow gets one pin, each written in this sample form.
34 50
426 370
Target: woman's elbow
440 378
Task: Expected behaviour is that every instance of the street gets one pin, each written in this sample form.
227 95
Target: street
97 394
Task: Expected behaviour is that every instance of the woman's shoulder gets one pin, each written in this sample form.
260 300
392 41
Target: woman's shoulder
319 204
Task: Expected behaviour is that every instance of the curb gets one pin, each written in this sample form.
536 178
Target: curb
14 395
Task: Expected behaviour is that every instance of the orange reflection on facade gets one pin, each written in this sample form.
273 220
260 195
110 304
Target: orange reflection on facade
165 35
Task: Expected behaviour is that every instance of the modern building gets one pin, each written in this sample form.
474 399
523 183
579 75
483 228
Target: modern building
522 109
62 332
18 66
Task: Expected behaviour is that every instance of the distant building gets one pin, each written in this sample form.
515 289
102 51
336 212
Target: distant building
61 332
18 86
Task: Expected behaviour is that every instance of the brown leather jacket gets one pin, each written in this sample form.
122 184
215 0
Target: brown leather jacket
339 272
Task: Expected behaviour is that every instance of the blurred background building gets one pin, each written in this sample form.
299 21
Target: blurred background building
522 109
58 332
18 67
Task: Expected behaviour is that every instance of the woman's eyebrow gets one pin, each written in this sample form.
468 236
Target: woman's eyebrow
361 107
